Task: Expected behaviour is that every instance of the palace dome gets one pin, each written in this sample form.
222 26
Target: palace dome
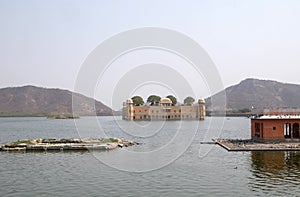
129 101
165 101
201 101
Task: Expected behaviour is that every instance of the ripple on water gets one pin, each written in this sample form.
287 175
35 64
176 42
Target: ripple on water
216 173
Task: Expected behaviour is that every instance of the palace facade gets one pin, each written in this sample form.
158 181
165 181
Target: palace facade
163 111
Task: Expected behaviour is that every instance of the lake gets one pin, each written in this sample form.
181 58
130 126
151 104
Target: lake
170 161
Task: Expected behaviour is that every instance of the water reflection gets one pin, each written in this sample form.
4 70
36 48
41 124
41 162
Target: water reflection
275 172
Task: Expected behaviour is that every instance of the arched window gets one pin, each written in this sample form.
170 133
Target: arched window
287 130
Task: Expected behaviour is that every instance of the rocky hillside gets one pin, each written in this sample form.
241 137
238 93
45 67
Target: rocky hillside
261 94
36 101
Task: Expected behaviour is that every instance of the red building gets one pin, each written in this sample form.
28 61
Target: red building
276 125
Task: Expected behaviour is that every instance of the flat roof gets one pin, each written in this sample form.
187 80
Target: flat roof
277 117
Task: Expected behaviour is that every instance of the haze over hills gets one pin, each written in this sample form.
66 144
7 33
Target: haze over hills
261 94
37 101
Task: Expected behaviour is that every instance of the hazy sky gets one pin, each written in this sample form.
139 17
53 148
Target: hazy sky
44 43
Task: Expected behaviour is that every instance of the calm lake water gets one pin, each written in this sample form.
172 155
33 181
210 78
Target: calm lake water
183 167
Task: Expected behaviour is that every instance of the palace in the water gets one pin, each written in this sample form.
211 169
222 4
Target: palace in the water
164 110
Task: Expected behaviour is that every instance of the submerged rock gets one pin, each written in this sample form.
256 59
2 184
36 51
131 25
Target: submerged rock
67 144
62 116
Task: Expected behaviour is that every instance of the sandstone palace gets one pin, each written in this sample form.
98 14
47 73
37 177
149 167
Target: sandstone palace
163 110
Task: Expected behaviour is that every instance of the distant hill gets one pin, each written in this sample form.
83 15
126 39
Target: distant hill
261 94
36 101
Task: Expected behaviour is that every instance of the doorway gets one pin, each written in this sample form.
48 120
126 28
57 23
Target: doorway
295 130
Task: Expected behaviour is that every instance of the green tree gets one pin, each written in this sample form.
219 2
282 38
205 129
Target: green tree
189 100
153 99
137 100
173 99
244 110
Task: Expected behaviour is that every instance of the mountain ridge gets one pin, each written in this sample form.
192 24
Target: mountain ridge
258 94
252 94
31 100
